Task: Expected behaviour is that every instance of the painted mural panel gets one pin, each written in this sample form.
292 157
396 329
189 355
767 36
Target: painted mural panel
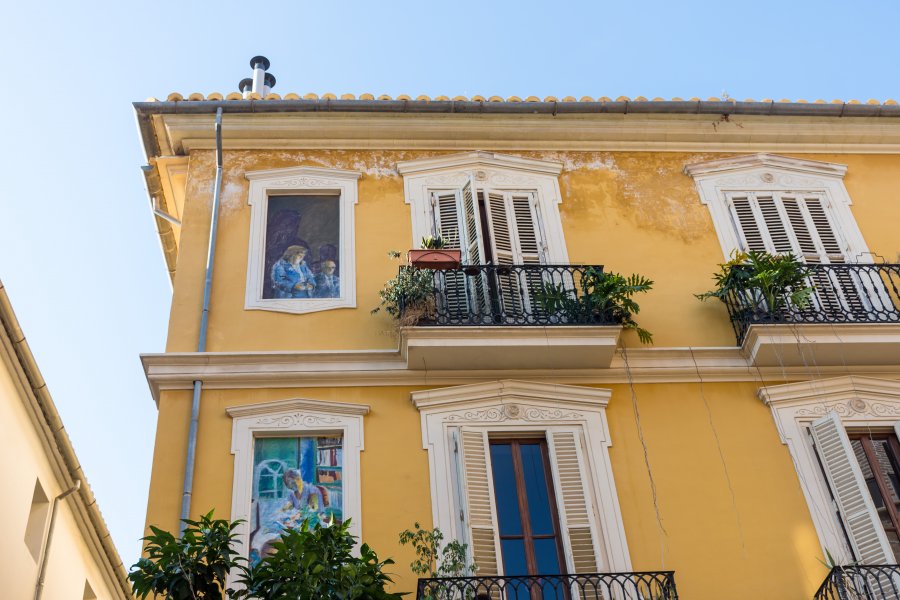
294 479
302 241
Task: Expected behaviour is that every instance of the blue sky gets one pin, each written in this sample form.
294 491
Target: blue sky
78 251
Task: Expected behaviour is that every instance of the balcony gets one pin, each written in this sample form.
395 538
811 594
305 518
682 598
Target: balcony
852 318
485 317
861 582
658 585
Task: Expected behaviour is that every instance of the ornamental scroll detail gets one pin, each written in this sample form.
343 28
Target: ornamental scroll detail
849 408
297 420
514 412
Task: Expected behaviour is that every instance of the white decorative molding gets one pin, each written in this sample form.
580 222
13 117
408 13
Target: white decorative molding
182 133
499 172
861 402
249 370
295 417
770 172
340 183
528 407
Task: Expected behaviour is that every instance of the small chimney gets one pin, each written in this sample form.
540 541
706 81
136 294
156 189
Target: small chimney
260 82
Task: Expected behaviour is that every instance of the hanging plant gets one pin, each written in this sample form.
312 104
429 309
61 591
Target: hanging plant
765 283
410 296
599 298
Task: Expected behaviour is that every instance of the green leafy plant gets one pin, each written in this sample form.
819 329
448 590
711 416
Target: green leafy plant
410 296
764 282
191 567
433 559
317 563
433 242
598 298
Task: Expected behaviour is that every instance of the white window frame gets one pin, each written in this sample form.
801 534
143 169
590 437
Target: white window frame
301 181
509 406
500 172
295 417
716 180
860 402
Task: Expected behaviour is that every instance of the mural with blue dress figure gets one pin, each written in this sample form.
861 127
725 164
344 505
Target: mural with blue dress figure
291 277
295 225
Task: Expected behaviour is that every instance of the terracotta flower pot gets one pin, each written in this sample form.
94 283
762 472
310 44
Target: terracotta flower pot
435 259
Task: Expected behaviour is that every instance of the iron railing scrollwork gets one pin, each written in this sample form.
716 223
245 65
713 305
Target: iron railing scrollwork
508 295
861 582
648 585
842 293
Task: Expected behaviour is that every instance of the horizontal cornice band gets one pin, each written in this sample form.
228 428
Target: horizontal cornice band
248 370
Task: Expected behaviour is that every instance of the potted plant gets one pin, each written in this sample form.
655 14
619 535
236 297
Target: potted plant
598 298
434 254
760 285
410 296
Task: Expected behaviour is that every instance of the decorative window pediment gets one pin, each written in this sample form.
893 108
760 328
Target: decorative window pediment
302 255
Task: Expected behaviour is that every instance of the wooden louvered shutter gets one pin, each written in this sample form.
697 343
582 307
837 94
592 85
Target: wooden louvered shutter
446 207
574 499
870 544
503 250
745 222
479 514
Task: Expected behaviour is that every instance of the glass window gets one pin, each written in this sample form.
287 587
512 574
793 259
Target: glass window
294 479
878 456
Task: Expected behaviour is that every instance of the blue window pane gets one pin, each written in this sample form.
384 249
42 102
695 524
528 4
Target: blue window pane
536 489
546 556
505 490
513 557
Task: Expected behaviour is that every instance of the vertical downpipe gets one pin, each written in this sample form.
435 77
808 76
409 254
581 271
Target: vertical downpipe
45 551
204 324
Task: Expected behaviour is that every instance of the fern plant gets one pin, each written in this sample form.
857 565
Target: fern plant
763 282
598 298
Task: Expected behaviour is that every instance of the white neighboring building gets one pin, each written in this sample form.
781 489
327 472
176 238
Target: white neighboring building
39 465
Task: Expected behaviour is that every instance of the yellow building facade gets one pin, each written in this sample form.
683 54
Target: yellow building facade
731 451
57 545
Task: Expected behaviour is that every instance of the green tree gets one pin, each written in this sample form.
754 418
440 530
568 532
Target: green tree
318 564
191 567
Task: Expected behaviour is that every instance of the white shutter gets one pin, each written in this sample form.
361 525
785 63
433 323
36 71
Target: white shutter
447 210
472 240
576 507
479 513
870 544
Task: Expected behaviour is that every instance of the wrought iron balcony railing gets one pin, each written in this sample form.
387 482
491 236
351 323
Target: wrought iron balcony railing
509 295
651 585
843 293
869 582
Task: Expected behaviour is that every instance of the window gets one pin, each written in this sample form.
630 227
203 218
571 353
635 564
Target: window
841 433
294 459
776 204
528 522
37 521
877 455
501 209
520 472
302 247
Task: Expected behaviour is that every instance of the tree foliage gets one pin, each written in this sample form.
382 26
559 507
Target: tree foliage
191 567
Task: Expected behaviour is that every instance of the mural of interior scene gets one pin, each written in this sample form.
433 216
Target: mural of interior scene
294 479
302 241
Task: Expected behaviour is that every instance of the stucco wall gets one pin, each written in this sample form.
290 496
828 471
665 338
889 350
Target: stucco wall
70 562
733 516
